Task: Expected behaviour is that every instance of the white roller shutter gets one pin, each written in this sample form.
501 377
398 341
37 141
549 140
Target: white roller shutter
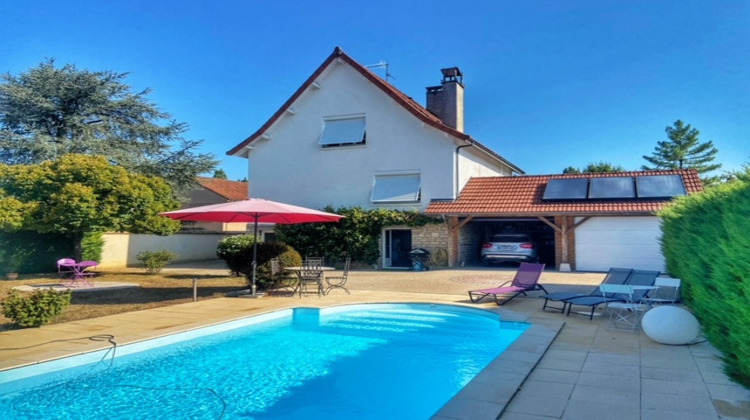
629 242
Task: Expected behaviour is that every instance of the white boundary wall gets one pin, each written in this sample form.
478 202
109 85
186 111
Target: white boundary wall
120 249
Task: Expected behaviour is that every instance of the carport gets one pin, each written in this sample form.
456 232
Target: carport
595 221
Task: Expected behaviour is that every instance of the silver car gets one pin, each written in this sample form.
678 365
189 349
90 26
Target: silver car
513 247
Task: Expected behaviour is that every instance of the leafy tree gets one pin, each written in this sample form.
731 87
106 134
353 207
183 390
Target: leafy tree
79 194
48 111
220 174
593 168
683 150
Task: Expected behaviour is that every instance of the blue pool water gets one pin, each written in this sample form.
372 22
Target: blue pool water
394 361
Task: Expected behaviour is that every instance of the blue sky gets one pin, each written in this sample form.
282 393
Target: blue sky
549 83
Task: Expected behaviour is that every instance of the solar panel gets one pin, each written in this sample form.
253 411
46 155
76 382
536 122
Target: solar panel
659 186
614 187
566 189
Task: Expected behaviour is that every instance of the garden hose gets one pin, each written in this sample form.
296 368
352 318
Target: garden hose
439 257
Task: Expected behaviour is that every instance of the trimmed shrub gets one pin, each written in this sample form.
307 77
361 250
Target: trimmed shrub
36 309
706 244
154 261
288 257
237 252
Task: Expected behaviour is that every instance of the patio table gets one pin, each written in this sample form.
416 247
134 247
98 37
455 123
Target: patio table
298 272
81 274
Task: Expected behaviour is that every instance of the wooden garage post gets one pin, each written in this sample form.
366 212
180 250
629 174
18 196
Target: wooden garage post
454 246
565 258
563 231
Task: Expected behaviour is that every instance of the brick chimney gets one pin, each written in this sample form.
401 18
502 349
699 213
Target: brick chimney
447 100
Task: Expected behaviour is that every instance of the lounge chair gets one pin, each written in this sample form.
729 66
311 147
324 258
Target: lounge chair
636 278
526 280
614 276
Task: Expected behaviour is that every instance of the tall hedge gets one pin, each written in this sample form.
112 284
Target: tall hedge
33 252
706 242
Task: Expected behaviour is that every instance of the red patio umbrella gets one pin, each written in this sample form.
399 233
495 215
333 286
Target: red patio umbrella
253 210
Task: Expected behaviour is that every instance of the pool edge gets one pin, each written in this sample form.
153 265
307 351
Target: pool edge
491 390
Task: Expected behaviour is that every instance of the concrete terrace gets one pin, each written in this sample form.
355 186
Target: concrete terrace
566 368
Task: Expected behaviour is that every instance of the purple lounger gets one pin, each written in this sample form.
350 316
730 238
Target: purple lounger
526 280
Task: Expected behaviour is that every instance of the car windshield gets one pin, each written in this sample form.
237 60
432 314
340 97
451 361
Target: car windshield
510 238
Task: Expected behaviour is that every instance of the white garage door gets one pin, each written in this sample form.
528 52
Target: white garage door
629 242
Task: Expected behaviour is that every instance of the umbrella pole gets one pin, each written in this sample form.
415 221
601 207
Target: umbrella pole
255 253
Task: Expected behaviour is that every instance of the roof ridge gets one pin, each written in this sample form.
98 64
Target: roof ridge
594 174
406 101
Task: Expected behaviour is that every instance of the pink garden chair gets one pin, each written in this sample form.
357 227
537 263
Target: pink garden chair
526 280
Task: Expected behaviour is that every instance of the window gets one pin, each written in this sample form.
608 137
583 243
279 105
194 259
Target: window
343 131
396 188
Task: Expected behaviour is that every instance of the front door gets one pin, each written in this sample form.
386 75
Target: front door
397 246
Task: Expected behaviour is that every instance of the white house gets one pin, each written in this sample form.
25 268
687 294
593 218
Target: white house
347 137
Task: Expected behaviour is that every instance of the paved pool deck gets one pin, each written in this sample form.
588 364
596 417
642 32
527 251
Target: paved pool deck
568 368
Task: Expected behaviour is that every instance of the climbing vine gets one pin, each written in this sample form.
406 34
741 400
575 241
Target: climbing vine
356 235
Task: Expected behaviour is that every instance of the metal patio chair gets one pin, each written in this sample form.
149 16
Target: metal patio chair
311 274
339 282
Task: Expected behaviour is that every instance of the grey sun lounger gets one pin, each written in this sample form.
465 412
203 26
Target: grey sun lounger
614 276
636 278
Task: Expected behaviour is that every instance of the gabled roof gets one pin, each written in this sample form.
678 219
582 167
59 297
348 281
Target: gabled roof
231 190
399 97
522 196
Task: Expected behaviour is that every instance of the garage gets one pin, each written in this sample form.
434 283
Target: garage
542 236
582 222
604 242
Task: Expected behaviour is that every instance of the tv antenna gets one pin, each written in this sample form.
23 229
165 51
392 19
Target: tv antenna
384 65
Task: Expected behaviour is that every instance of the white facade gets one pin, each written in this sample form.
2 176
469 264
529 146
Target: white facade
626 242
287 163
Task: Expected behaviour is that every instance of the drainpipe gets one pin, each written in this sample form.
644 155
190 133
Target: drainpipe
455 196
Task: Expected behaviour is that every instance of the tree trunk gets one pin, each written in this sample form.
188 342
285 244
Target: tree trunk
77 246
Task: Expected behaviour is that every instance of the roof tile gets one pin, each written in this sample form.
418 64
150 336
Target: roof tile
231 190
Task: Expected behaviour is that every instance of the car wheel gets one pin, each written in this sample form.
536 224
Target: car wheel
485 262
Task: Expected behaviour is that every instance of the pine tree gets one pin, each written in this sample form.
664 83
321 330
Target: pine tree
683 150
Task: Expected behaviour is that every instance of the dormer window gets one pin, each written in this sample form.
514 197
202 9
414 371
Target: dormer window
343 131
397 188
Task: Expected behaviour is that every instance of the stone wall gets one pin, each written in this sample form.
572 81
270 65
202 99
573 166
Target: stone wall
430 237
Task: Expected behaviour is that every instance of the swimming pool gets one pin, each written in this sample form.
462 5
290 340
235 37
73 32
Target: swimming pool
360 361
